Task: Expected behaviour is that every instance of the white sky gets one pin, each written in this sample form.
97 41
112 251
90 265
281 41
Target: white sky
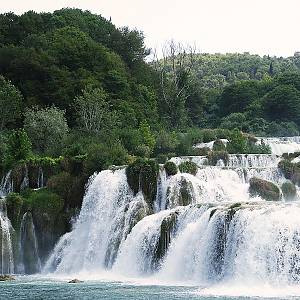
256 26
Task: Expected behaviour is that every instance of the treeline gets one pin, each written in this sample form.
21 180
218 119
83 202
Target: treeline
73 85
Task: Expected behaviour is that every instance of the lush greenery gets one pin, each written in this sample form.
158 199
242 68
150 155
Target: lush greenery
77 95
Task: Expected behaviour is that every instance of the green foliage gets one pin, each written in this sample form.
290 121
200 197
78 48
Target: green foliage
237 142
101 156
44 201
188 167
14 203
18 147
171 168
46 128
215 156
147 136
166 142
218 146
94 114
10 103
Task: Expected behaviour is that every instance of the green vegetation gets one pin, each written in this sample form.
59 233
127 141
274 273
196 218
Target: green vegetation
188 167
142 176
77 95
171 168
288 190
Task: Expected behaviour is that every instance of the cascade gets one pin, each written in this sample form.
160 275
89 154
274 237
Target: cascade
30 261
6 184
6 247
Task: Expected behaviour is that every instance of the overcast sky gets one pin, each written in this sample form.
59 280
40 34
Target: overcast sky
256 26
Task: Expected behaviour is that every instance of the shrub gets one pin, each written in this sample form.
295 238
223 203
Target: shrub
14 203
209 135
61 184
215 156
218 146
171 168
188 167
161 158
143 151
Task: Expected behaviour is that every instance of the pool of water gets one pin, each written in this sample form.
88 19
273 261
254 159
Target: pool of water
51 289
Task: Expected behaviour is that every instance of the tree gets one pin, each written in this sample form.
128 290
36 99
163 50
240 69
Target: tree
18 146
10 103
175 70
282 104
46 128
94 113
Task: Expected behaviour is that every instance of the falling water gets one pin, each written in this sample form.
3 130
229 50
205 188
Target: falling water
6 248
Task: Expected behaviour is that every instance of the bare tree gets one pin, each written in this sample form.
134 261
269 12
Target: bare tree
175 68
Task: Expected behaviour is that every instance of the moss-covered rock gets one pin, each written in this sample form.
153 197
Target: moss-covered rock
219 146
166 229
188 167
180 194
287 168
14 204
288 190
171 168
214 156
265 189
142 174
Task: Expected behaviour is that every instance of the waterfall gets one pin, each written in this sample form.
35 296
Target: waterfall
6 184
29 253
6 247
40 178
203 229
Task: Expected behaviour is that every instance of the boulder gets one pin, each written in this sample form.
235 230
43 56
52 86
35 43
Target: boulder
75 281
265 189
288 190
6 277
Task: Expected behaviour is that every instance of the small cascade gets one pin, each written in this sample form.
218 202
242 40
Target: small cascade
160 203
29 253
6 184
6 247
282 145
252 161
40 178
25 181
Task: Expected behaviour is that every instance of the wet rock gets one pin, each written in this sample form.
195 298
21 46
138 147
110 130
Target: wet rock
75 281
288 190
265 189
6 277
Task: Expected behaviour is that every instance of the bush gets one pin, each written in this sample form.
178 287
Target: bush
188 167
218 146
215 156
161 158
101 156
209 135
171 168
166 142
14 203
237 142
44 201
143 151
61 184
201 151
18 147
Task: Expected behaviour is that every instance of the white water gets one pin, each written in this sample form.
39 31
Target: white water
6 248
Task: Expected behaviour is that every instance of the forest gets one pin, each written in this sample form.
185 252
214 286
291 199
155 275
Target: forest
78 95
